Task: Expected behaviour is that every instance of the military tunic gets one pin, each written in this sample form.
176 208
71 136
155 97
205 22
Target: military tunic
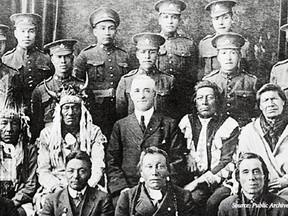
279 75
208 56
164 89
34 66
105 66
43 104
239 91
179 57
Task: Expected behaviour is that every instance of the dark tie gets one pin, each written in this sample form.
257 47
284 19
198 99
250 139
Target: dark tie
142 124
78 198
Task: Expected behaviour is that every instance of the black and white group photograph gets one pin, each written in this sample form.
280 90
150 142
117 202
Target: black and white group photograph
144 108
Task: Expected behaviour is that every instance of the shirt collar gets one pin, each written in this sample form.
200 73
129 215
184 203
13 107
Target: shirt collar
73 193
147 115
204 120
230 75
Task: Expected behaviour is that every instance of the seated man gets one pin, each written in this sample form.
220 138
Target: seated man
268 136
155 195
78 198
253 197
71 129
212 138
140 130
18 159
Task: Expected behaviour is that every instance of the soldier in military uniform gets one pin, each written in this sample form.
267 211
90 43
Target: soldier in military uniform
222 17
105 64
279 73
42 103
3 38
33 64
178 56
147 53
239 87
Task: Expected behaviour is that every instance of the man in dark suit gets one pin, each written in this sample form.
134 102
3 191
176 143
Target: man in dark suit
155 195
253 197
78 198
142 129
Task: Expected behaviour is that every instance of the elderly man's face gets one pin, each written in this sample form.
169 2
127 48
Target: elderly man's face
169 22
251 177
154 171
229 59
62 63
105 32
9 130
206 102
78 173
147 58
223 23
71 114
25 36
271 104
143 94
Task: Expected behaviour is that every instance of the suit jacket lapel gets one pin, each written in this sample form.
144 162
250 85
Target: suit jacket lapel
144 205
153 125
64 203
133 126
89 202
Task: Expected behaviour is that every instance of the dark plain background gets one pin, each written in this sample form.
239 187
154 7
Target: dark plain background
257 20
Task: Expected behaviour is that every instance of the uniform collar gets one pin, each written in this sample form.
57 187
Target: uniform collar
170 36
142 71
109 48
26 51
230 75
61 79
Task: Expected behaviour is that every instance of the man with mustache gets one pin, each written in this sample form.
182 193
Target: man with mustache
178 55
221 12
34 66
147 45
237 86
105 64
143 128
267 136
212 137
43 104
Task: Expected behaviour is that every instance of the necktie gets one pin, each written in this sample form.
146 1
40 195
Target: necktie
78 198
202 159
142 123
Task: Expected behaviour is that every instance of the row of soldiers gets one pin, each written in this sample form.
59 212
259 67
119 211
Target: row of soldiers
164 83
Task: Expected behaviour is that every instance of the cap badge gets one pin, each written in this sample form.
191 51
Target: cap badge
171 6
147 41
217 7
25 19
62 46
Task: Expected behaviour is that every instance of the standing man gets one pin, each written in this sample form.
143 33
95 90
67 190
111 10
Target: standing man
253 197
237 86
105 64
3 38
33 65
178 56
143 128
212 138
222 17
78 198
147 53
42 103
279 74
